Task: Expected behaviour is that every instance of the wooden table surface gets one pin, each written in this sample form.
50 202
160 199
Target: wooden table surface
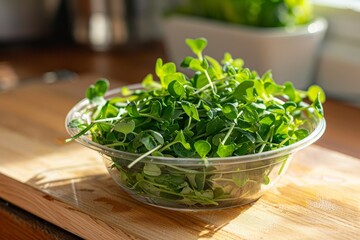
67 185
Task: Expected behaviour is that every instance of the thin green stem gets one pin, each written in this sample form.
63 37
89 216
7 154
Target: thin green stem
202 89
284 141
167 146
228 134
200 136
210 82
189 123
143 156
150 116
107 119
79 134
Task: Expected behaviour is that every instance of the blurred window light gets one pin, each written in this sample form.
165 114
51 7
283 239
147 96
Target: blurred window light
99 32
349 4
340 55
315 27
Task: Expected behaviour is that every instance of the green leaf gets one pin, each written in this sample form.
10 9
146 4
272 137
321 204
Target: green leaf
158 137
267 120
148 141
167 72
196 65
180 77
200 181
313 93
131 108
202 147
188 132
168 68
191 179
156 108
301 134
227 58
238 62
204 64
215 125
101 86
151 169
218 193
196 45
168 111
200 80
215 64
230 111
290 106
225 150
273 89
181 139
90 92
176 89
186 62
260 90
318 106
216 140
190 110
181 151
149 82
125 126
276 108
125 91
291 92
96 92
159 67
240 179
241 92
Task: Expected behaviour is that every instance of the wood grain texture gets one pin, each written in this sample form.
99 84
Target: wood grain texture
67 184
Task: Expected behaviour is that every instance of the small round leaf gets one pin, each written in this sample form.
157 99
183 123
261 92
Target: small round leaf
202 147
125 126
230 111
176 89
313 92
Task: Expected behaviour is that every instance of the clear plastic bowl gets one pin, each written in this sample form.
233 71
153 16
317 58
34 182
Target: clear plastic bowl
223 183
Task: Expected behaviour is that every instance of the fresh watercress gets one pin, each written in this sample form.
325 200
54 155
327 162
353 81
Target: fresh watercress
223 110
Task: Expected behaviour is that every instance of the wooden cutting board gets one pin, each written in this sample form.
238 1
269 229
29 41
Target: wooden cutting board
67 184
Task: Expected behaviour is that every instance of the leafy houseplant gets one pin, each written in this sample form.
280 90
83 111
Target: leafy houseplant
281 35
258 13
216 139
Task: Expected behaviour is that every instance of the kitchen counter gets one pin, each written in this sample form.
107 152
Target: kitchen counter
64 189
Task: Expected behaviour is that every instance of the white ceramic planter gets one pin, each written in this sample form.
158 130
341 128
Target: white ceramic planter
291 54
339 66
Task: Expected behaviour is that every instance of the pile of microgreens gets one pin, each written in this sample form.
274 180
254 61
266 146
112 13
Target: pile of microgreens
223 110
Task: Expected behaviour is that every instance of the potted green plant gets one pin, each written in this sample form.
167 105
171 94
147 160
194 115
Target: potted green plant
281 35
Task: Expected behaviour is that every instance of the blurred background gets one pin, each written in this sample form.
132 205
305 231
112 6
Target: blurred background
94 36
108 38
